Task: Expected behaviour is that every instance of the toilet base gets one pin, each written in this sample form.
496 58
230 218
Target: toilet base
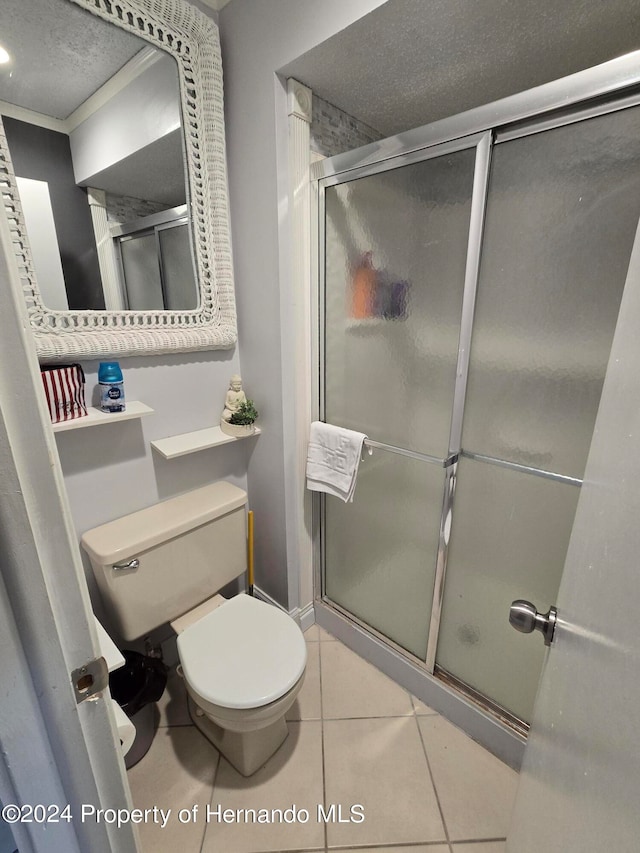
246 751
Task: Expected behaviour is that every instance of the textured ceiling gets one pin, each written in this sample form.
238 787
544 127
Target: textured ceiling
411 62
60 54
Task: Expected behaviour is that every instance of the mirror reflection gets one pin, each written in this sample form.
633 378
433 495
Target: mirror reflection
93 124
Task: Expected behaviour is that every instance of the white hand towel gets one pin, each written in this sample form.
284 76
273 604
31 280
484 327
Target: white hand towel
333 458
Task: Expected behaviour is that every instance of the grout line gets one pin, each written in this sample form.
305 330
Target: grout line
381 717
298 850
415 699
433 782
402 845
324 772
213 786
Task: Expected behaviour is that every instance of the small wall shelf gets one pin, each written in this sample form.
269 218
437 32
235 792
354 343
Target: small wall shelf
192 442
95 417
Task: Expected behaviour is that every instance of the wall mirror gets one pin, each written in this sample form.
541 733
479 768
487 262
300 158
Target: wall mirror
113 173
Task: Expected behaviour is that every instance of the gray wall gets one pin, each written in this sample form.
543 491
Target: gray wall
44 155
257 40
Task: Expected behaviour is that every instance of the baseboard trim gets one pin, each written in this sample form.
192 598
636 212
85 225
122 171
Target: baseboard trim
307 617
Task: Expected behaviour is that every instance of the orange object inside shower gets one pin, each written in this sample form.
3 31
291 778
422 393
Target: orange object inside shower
363 288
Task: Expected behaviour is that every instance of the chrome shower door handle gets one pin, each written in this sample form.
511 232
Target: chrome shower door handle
524 617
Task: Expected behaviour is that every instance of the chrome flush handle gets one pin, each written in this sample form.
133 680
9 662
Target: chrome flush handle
524 617
123 567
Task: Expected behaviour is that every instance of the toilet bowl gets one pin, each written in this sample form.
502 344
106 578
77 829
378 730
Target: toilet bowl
243 665
243 660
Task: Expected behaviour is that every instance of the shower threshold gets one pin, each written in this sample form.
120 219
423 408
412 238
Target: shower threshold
520 727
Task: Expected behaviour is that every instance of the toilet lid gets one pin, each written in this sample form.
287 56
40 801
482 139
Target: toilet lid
244 654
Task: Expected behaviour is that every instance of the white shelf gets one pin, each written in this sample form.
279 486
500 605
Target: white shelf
192 442
95 417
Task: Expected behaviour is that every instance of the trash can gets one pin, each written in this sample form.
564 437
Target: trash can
136 687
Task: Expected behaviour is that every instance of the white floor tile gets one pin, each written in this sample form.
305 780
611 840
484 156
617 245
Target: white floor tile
420 708
293 777
476 790
311 635
316 634
351 687
380 764
488 847
177 773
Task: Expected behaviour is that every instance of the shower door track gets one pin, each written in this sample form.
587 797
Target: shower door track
509 720
612 86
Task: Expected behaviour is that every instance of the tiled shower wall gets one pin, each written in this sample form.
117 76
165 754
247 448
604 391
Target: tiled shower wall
334 131
122 208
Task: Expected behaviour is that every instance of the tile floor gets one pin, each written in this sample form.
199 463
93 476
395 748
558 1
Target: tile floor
356 739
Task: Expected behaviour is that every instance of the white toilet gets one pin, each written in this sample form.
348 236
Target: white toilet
243 661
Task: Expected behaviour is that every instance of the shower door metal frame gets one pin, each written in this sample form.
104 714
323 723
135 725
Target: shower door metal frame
481 142
606 88
472 272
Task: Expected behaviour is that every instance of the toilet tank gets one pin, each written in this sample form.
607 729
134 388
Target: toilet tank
187 548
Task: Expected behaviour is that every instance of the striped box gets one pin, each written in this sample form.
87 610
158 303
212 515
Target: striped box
64 390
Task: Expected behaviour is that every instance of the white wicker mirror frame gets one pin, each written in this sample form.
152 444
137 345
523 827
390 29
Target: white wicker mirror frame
193 40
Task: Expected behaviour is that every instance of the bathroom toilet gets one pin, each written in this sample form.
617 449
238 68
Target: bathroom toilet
238 697
243 661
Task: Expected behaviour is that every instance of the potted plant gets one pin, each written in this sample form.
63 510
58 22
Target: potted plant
242 421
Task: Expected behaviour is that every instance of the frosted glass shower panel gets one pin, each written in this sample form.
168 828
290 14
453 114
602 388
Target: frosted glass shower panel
141 270
395 257
562 211
509 540
381 550
178 274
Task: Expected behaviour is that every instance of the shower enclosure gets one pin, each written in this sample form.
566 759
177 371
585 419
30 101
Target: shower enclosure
470 279
156 263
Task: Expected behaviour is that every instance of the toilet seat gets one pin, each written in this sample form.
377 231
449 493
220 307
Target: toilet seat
244 654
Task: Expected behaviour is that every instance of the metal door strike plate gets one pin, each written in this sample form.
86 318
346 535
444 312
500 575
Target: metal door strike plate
90 679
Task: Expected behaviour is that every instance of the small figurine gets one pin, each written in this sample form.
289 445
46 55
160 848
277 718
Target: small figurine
235 397
239 414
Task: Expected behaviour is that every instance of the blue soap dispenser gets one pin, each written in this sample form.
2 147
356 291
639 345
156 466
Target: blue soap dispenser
111 387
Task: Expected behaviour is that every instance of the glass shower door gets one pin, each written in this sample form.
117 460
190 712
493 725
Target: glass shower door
562 210
395 259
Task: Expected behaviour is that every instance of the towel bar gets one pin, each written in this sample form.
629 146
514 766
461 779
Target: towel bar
412 454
